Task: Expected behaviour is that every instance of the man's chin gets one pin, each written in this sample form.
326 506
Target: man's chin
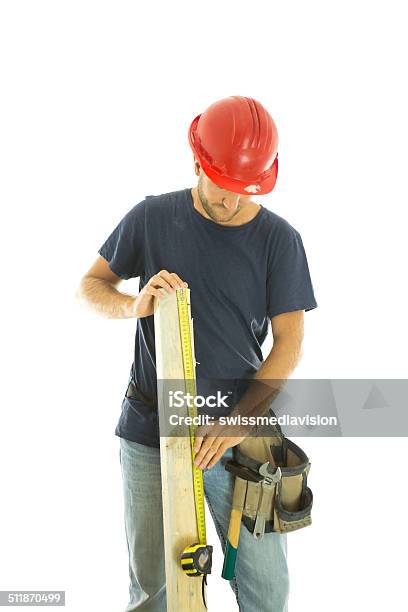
220 219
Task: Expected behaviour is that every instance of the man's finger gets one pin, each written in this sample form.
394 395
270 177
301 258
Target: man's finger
205 446
209 452
198 440
221 450
199 434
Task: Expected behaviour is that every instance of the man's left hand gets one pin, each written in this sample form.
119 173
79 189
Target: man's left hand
211 442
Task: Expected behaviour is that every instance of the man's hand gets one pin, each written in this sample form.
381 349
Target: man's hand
99 290
144 302
211 442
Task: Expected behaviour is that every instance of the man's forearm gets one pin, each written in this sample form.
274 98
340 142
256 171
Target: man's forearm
105 299
269 379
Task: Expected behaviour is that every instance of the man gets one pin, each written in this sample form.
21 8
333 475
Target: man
244 266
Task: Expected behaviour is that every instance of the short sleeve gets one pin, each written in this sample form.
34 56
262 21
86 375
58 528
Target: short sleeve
124 248
289 286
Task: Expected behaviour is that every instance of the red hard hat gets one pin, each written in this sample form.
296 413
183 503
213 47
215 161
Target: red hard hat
235 140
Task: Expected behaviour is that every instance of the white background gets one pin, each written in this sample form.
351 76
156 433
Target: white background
96 100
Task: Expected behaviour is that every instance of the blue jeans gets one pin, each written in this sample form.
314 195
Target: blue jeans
262 579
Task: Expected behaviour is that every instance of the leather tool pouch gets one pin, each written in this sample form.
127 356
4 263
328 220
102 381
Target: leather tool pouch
281 506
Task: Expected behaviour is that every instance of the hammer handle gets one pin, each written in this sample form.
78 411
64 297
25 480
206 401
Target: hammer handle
231 549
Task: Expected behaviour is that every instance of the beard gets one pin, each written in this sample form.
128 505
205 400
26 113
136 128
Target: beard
217 212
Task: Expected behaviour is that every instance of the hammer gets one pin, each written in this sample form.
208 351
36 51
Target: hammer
242 475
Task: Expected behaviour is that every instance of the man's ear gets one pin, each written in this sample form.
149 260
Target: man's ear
197 167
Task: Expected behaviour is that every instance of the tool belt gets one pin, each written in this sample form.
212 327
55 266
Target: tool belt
271 484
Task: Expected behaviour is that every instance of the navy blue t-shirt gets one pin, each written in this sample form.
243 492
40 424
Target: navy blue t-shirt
239 277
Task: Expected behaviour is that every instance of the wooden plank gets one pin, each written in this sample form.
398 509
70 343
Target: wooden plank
184 593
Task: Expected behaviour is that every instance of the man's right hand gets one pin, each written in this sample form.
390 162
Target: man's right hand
144 302
99 290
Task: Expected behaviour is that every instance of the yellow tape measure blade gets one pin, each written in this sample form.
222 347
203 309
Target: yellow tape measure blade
189 375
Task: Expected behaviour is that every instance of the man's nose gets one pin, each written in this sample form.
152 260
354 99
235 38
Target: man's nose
231 202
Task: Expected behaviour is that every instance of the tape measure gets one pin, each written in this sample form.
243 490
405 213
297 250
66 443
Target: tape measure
196 558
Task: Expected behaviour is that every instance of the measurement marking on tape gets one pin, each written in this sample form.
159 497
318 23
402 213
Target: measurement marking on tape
186 336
